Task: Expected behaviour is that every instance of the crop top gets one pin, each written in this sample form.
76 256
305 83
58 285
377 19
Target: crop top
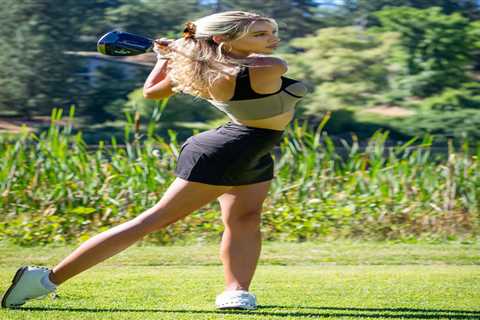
246 104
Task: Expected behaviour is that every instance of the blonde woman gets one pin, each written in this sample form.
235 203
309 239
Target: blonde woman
222 58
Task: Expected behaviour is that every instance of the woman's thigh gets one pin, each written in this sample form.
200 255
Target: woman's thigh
181 198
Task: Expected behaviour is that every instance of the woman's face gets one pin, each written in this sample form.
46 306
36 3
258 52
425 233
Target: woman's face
261 38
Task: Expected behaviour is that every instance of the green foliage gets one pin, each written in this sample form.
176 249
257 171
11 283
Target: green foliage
348 66
466 97
104 98
454 113
34 72
181 107
152 17
296 18
474 34
54 189
362 12
456 124
436 48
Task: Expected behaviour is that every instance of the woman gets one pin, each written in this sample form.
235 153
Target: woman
221 58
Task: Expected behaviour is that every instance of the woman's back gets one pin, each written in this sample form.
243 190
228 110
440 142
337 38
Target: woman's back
257 96
265 76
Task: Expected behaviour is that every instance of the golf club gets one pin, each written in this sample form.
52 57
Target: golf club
119 43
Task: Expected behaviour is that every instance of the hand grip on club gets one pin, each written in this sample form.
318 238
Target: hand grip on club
162 46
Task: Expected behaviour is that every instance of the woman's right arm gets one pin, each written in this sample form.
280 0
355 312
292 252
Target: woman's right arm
270 65
267 72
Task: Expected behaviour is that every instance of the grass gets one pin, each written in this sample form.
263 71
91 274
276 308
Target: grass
339 280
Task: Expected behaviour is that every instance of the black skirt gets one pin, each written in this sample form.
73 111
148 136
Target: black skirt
230 155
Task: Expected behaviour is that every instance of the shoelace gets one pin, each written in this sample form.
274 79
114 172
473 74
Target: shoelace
40 267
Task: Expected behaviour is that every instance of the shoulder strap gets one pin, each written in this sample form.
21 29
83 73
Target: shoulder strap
243 89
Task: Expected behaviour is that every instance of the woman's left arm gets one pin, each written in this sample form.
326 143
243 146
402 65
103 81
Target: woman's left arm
158 85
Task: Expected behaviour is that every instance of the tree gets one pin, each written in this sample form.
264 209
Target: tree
35 74
296 18
346 65
436 49
361 12
152 17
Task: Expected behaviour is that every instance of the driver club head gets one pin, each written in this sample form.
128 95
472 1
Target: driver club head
119 43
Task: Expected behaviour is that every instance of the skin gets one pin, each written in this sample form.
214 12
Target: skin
241 206
258 40
265 78
261 39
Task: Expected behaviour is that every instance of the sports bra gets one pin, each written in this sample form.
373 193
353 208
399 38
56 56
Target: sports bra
247 104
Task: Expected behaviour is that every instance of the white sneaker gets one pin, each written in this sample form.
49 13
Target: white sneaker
236 299
26 284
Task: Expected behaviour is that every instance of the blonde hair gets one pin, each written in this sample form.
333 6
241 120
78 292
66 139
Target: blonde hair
196 63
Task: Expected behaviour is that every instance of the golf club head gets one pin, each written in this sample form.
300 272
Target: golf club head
118 43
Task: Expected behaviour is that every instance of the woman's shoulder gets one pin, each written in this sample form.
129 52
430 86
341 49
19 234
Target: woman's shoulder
261 60
268 66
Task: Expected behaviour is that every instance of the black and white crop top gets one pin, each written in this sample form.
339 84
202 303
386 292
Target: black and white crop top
246 104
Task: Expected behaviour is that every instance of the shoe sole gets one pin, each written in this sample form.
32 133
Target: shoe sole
235 308
17 277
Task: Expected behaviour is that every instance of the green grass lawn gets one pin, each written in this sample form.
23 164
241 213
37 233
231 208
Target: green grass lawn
343 280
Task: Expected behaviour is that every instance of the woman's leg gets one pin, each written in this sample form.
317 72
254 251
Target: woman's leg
241 242
182 198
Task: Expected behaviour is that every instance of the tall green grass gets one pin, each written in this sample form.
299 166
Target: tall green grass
54 189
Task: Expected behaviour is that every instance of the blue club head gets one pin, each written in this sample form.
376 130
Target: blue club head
118 43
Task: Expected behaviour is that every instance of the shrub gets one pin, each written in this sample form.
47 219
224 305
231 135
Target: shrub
467 97
53 189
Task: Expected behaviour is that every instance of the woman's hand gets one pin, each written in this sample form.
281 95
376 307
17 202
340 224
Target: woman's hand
162 46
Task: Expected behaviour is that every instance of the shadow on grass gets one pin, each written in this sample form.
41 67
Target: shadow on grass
476 312
314 312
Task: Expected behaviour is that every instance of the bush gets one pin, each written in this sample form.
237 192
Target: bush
435 49
347 66
467 97
54 190
457 124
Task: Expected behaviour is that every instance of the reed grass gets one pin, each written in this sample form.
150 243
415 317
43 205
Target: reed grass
54 189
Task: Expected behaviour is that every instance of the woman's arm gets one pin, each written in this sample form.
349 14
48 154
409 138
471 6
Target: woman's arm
272 66
158 85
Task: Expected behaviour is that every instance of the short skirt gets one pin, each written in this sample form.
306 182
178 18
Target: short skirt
230 155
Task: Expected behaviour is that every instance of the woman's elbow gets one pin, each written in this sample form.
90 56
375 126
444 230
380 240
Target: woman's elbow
147 94
160 90
156 95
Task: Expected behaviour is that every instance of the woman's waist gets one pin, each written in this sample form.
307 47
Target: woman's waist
278 122
236 137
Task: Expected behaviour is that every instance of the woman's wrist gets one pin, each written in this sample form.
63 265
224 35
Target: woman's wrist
162 60
161 48
160 56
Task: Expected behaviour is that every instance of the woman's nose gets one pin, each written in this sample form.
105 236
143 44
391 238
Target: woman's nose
274 40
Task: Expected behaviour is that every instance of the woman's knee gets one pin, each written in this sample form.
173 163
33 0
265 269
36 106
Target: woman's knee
250 218
152 220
